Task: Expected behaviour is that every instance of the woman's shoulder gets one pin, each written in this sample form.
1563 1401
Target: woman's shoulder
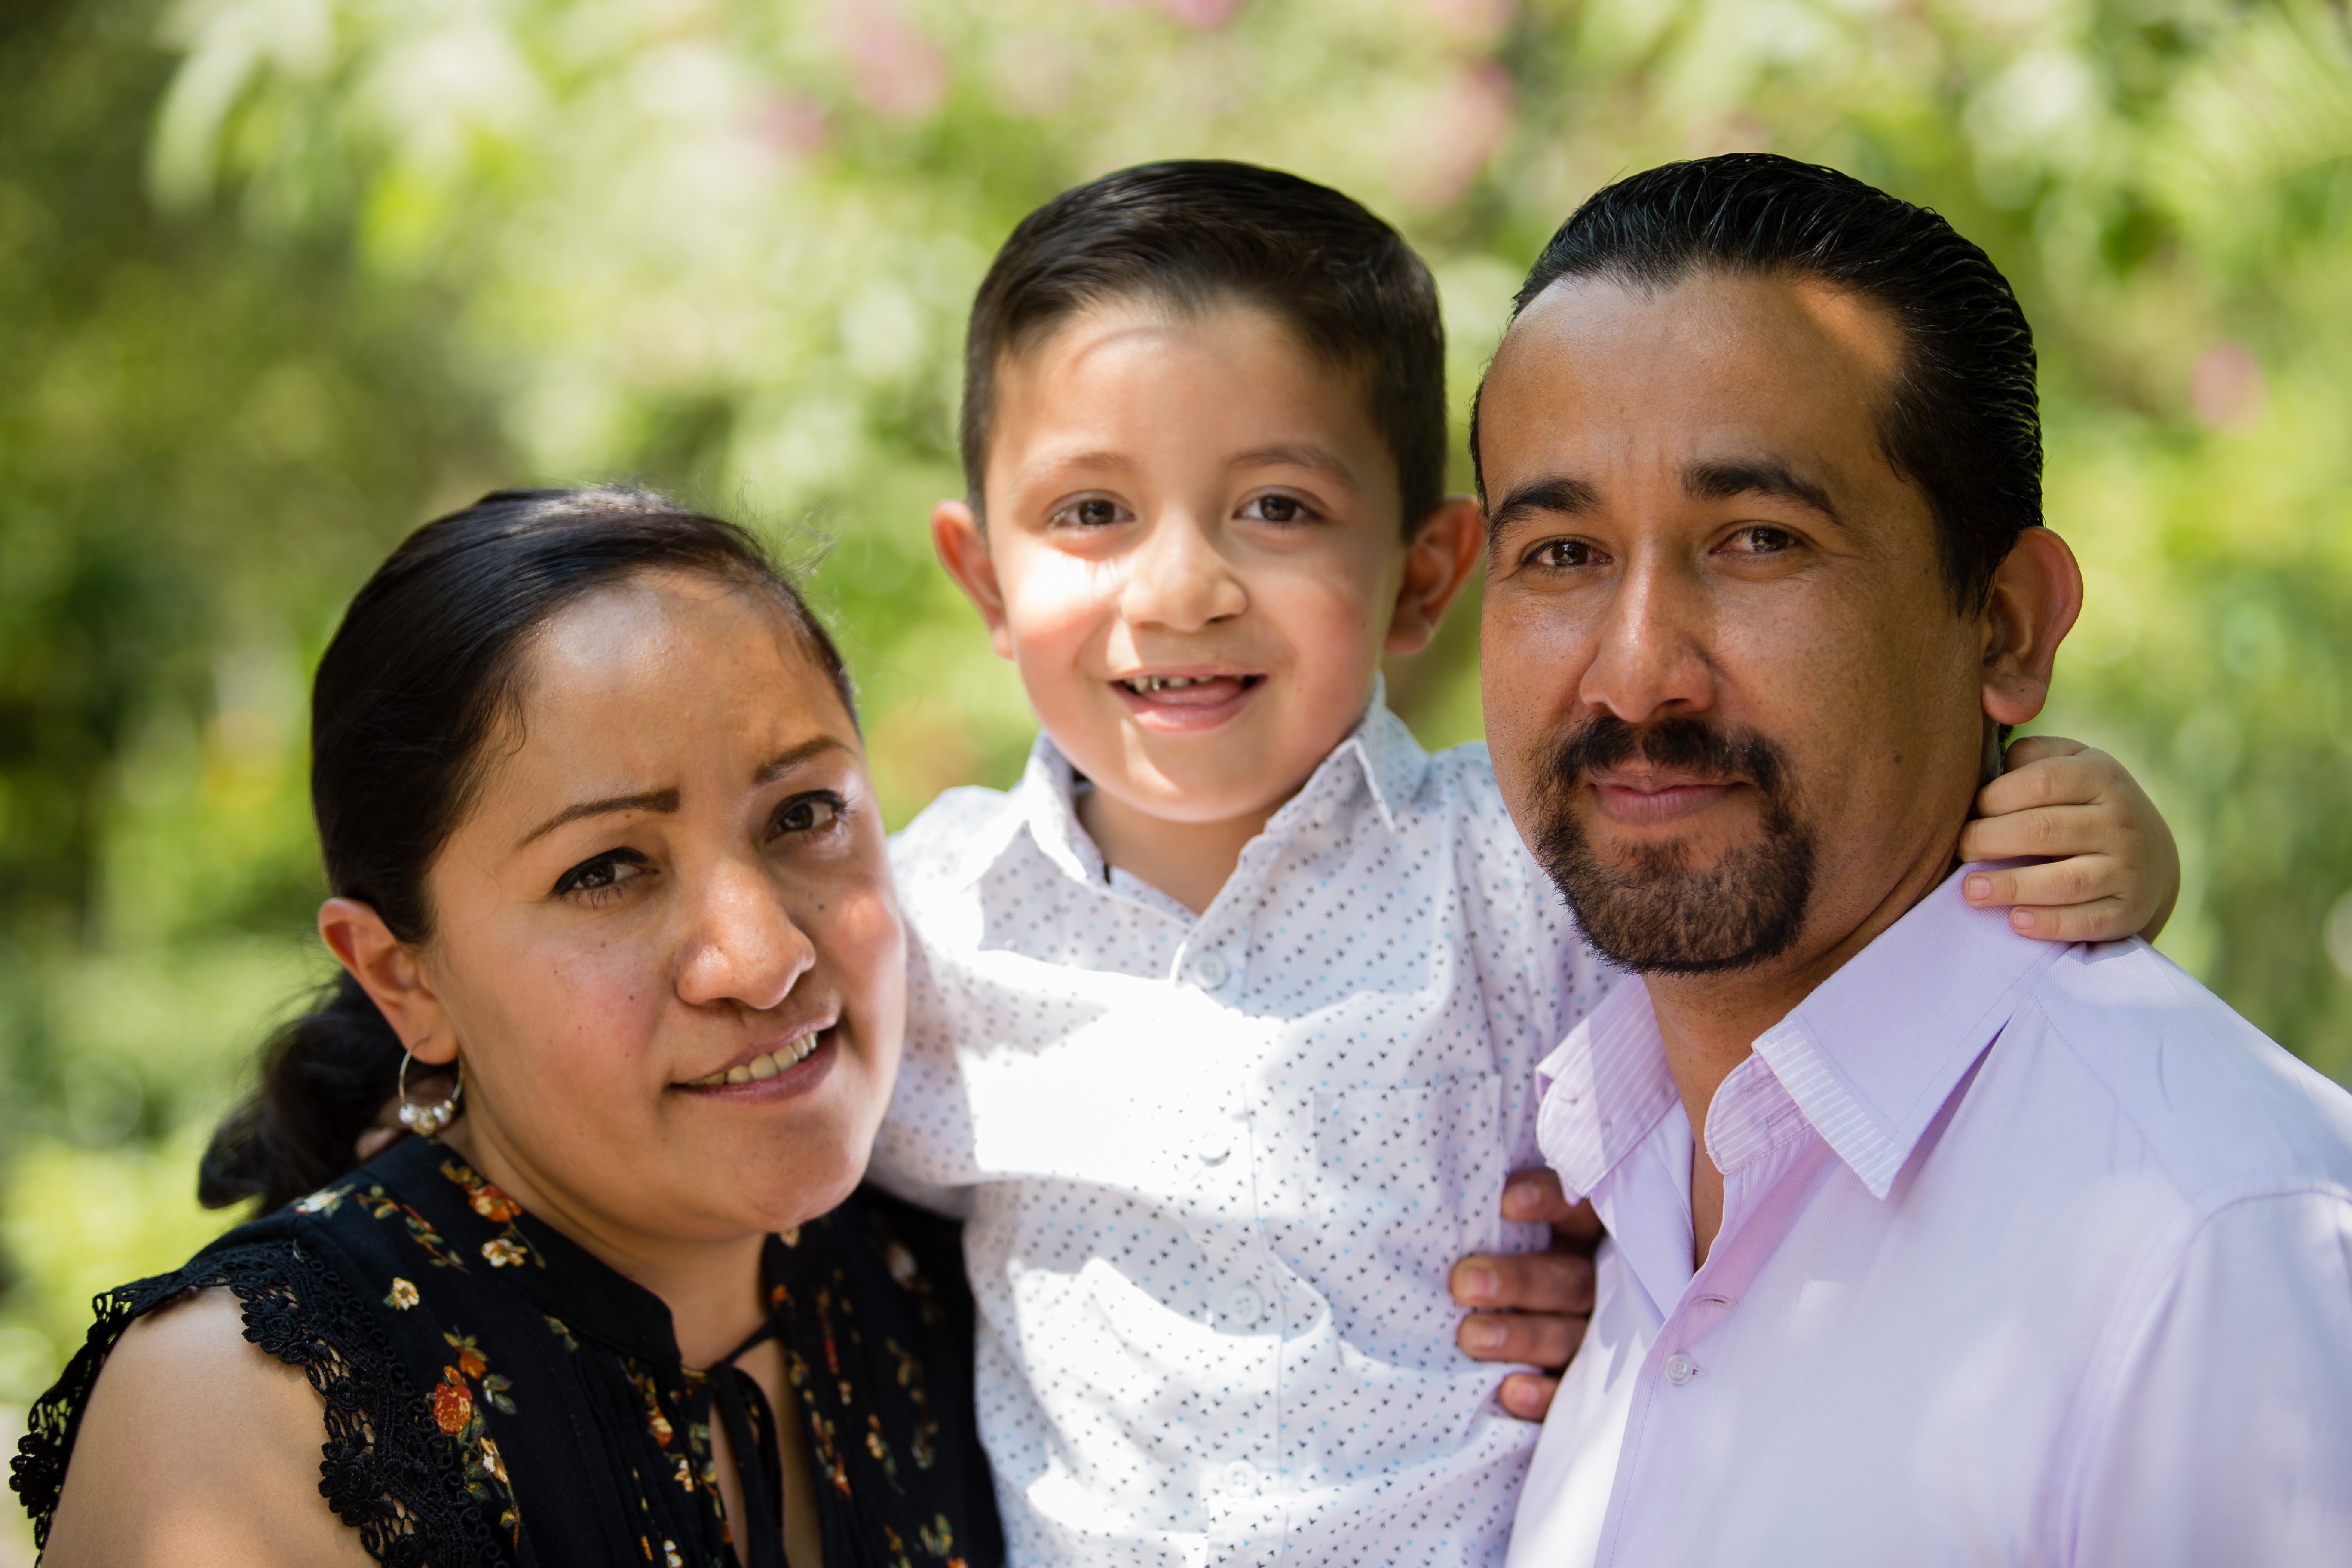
292 1301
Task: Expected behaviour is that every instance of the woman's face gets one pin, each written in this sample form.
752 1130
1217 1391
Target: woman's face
665 940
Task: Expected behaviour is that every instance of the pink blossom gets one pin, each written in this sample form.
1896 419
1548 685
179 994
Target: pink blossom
1443 150
1477 20
2226 388
1202 14
895 71
790 124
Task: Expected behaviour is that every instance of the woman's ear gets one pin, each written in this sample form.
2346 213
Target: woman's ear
962 547
391 975
1443 553
2037 592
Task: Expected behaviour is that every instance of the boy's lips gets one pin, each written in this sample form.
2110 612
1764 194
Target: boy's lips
1183 701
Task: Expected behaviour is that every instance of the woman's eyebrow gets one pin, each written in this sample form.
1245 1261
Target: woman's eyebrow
663 800
785 762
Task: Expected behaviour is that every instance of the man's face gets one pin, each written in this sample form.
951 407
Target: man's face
1729 702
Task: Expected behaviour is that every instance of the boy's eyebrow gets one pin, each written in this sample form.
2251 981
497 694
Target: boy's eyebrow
1558 494
1118 462
1294 455
1755 476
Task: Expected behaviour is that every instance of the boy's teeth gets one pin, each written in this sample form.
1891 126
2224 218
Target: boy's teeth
765 1066
1147 683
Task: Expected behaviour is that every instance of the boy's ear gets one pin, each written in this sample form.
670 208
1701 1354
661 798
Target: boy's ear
1444 550
963 550
391 975
2037 592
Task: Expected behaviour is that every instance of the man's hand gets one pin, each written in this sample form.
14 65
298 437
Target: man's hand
1531 1307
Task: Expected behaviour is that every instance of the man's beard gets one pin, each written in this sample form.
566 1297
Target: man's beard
1656 913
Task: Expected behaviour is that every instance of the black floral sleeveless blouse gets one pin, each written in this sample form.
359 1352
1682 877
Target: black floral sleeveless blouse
495 1395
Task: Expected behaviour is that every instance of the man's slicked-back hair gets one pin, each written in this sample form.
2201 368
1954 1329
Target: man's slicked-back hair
1963 421
1192 234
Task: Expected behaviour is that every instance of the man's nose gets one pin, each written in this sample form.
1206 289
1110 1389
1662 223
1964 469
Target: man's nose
742 945
1178 578
1650 659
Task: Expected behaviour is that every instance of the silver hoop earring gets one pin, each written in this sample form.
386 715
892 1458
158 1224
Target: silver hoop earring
424 1121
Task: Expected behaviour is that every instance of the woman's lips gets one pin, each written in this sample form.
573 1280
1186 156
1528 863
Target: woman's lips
1186 704
789 1082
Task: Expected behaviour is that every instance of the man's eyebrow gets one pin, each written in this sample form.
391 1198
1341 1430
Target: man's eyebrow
652 800
784 762
1294 455
1558 495
1755 476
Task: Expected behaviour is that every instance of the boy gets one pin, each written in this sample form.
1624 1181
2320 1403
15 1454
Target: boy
1224 1021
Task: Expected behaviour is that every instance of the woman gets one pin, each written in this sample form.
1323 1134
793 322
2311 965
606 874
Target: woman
613 914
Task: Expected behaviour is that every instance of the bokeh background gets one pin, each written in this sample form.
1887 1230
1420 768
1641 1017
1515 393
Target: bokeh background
281 279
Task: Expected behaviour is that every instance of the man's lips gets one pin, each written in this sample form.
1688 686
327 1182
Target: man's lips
1641 800
1183 700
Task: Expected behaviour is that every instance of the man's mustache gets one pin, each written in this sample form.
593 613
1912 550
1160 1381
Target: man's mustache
1684 745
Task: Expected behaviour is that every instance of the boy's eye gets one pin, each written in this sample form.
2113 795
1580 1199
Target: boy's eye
603 876
812 813
1278 508
1095 511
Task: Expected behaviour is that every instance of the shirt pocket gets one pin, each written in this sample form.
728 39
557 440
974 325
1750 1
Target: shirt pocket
1411 1178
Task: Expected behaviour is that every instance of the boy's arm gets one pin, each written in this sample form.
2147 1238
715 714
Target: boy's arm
1530 1307
2110 870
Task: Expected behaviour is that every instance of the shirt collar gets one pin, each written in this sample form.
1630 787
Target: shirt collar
1381 749
1869 1057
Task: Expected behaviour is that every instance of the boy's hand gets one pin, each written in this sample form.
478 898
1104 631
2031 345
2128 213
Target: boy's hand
2114 872
1531 1307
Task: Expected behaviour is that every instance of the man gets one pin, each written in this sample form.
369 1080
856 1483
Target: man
1983 1250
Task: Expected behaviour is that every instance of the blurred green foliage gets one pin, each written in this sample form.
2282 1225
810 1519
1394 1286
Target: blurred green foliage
278 279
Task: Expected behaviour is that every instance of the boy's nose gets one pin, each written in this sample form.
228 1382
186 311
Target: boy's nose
1180 579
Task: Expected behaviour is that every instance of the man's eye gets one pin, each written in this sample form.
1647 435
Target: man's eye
1093 512
810 813
1277 509
604 875
1761 539
1563 554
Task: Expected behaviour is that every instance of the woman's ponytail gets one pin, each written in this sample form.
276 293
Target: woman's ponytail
326 1077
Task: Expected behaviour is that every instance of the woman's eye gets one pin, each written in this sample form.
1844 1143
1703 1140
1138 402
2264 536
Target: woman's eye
1093 512
1277 509
1563 554
1761 539
604 875
810 813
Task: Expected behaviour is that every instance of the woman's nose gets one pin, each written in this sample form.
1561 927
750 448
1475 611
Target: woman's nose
1179 579
743 945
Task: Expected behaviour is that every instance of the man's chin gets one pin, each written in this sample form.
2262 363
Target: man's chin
1676 906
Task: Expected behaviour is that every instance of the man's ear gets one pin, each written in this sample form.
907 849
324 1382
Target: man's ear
391 975
963 548
2037 593
1444 550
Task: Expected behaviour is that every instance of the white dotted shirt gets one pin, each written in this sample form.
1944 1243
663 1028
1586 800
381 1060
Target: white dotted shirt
1215 1169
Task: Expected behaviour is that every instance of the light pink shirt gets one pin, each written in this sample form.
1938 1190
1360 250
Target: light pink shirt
2030 1254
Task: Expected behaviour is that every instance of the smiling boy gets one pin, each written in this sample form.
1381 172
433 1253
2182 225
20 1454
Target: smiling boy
1224 1021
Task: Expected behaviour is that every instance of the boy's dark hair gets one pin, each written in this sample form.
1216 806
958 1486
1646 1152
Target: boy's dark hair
1962 424
1192 233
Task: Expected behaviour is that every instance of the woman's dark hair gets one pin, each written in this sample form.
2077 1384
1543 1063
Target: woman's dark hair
424 672
1194 232
1964 422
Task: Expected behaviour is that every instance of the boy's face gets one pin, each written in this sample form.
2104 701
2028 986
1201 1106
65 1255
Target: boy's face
1195 553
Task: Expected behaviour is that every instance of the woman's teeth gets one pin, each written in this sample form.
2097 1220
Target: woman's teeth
762 1067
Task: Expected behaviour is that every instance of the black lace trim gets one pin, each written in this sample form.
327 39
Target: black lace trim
385 1468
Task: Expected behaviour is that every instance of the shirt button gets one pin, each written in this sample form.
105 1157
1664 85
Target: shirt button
1243 1307
1238 1478
1215 1144
1210 971
1680 1369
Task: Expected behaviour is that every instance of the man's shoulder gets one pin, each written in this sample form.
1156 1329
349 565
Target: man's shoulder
2223 1110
